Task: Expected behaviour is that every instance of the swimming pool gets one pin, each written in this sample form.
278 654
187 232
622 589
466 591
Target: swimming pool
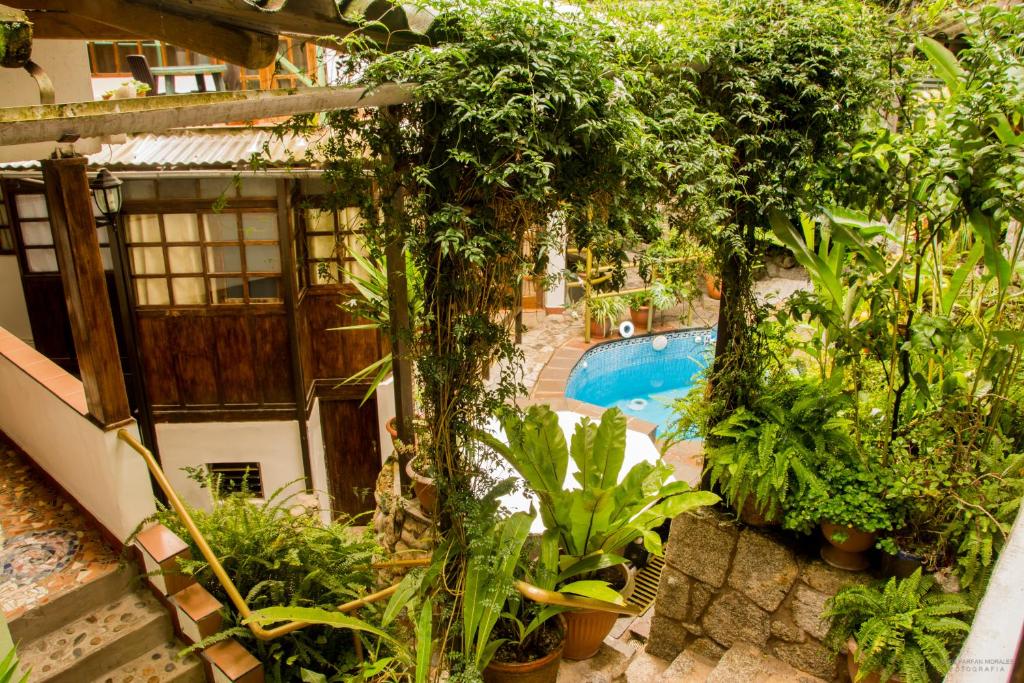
630 374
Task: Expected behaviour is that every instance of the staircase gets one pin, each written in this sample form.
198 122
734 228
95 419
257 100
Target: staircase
105 631
742 663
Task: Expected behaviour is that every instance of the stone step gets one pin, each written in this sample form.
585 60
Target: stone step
689 667
644 668
744 663
65 608
100 641
159 665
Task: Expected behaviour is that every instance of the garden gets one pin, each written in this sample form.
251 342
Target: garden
880 410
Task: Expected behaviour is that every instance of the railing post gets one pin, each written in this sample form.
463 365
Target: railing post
586 297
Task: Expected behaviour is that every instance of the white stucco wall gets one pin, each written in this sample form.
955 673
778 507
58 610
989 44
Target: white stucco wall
273 444
318 467
555 295
385 411
13 313
101 472
66 62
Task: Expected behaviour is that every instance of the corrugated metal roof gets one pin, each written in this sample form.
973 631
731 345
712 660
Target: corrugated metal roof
192 150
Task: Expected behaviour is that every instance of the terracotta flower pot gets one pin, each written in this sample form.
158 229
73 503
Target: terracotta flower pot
426 491
854 668
543 670
392 429
749 514
640 317
849 554
597 330
713 288
585 630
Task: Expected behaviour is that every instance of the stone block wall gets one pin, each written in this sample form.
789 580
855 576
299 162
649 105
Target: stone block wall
726 583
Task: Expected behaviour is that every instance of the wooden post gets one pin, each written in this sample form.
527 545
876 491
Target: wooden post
401 364
69 202
586 297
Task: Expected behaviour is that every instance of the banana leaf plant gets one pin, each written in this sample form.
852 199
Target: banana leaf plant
592 521
373 305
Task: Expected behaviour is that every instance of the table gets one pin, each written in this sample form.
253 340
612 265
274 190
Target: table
200 71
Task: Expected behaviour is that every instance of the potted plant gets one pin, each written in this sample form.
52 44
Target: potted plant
851 509
591 525
640 308
760 457
422 482
903 630
605 312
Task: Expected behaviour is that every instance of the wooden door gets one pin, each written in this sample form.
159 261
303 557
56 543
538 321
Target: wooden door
351 452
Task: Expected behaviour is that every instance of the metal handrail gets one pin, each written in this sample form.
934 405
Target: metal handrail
530 591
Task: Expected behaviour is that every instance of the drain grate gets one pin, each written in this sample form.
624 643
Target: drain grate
647 580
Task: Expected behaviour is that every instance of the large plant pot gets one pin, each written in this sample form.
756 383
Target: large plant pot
597 330
902 564
585 630
712 287
850 554
640 317
853 668
426 491
749 514
543 670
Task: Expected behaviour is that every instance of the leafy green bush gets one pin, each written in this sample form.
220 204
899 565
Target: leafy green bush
851 494
277 558
903 627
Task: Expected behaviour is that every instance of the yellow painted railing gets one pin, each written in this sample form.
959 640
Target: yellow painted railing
528 590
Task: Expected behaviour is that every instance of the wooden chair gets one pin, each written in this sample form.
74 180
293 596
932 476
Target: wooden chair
140 72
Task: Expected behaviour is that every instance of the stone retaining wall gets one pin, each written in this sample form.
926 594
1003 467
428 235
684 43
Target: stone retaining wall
725 583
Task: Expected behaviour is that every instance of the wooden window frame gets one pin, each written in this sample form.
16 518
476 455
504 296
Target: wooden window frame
237 206
8 246
303 235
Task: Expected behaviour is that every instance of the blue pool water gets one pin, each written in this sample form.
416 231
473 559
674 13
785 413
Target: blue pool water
631 375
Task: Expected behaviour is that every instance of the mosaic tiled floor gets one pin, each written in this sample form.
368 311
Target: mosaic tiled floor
48 547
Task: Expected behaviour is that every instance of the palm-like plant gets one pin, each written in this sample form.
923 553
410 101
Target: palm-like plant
903 627
374 306
590 524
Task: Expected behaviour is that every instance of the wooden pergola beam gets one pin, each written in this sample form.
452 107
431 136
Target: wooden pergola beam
49 123
67 26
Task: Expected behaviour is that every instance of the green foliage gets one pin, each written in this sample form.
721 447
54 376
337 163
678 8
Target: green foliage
904 627
9 669
280 559
852 494
593 522
608 310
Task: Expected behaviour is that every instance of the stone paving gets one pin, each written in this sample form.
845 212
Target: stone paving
48 546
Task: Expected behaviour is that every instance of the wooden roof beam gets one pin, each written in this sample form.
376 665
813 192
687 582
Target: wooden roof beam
66 26
49 123
236 45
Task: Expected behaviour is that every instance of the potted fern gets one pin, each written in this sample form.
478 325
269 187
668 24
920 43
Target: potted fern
640 309
592 523
904 630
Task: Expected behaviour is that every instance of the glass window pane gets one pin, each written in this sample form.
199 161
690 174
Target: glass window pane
224 259
264 288
31 206
181 227
322 246
262 258
259 226
221 227
33 234
41 260
147 260
227 290
108 264
3 213
139 189
350 219
214 188
258 187
152 292
6 239
178 189
319 221
102 234
185 260
188 290
323 273
143 228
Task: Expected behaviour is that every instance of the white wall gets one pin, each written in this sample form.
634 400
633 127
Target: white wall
385 411
273 444
13 312
555 296
318 465
66 62
101 472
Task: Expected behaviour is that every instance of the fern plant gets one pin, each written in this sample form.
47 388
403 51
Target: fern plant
903 627
773 449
